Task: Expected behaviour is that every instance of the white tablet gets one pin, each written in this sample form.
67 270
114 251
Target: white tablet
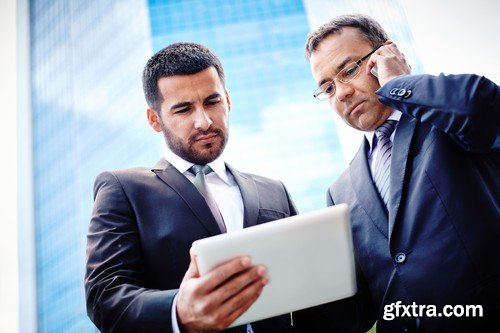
309 258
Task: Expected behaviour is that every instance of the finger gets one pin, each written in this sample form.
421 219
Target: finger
221 273
240 303
239 282
372 62
210 310
192 271
231 288
393 48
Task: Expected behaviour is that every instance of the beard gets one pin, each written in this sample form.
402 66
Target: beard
192 151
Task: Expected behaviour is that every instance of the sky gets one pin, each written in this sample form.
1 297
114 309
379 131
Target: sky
451 36
456 36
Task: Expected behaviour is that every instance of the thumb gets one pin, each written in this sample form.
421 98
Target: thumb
192 271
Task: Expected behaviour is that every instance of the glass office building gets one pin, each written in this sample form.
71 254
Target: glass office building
88 111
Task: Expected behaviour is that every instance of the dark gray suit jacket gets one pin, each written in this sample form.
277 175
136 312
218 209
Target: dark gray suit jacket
436 244
142 227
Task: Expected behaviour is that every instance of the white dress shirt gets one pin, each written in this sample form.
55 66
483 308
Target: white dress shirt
222 186
226 194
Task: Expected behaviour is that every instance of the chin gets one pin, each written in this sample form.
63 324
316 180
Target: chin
367 125
359 126
208 153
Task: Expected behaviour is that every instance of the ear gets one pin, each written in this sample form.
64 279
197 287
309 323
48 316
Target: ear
228 99
153 119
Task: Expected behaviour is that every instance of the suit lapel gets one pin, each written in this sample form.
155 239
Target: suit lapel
399 160
365 189
250 196
188 192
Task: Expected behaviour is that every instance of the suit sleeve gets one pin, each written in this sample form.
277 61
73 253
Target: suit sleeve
354 314
466 107
117 299
291 204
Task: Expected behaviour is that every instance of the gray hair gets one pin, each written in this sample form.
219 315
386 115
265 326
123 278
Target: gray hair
367 26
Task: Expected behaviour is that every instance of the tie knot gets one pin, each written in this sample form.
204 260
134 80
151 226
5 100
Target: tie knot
386 128
197 168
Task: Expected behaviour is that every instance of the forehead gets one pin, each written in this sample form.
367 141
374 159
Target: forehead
187 87
335 49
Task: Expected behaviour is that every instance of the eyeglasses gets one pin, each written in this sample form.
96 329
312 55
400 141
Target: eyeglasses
346 75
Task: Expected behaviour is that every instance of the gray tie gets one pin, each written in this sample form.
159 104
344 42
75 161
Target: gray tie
200 171
382 164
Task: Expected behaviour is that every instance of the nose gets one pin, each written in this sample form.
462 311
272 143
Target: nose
343 91
202 120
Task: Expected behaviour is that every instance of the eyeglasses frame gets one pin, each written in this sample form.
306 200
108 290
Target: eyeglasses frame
318 92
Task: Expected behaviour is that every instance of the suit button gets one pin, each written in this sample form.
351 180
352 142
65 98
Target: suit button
401 92
400 258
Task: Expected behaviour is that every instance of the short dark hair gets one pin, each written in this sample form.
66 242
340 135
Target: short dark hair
176 59
368 27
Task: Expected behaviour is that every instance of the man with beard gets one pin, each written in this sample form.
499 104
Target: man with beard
140 275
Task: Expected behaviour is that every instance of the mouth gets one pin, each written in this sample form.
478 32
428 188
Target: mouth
354 108
204 138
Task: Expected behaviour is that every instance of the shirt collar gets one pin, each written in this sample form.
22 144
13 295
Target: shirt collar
395 115
217 165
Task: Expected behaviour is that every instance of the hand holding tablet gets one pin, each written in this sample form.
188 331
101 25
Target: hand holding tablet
309 260
216 299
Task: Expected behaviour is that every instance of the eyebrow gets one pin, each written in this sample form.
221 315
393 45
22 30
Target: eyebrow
214 95
181 105
339 68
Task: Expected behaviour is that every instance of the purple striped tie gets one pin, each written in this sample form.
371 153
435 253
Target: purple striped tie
382 163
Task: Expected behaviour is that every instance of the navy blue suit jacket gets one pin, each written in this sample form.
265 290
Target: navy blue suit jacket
437 243
142 227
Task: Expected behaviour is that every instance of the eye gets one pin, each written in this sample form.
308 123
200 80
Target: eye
328 88
350 71
213 101
181 111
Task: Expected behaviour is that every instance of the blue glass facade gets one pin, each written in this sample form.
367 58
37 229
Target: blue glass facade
88 113
274 120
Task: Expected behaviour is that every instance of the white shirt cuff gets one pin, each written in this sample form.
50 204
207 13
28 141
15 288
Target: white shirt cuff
175 325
